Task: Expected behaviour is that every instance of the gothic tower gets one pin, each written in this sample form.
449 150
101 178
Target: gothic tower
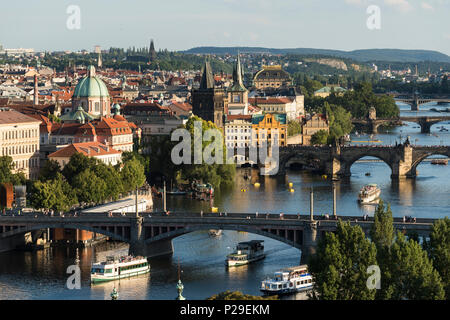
152 51
208 101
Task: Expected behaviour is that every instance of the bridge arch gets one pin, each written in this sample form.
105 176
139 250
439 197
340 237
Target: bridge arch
192 228
351 161
36 227
307 157
422 157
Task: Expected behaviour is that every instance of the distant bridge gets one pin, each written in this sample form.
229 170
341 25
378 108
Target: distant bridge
336 161
151 234
415 100
425 122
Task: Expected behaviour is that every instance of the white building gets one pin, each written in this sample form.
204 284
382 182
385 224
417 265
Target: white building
238 133
19 139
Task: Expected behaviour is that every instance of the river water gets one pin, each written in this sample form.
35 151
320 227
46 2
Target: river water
42 274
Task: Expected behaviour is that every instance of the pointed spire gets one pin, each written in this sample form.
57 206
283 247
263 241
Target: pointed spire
207 81
238 85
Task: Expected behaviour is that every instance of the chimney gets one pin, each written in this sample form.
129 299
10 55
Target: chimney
36 93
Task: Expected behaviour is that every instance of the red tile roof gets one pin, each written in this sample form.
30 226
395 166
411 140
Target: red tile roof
90 149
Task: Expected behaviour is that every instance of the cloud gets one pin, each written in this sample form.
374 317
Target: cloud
426 6
401 5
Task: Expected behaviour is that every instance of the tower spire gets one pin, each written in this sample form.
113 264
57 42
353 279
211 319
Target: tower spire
207 81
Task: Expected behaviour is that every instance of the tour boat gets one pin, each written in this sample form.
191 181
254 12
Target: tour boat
118 267
246 252
215 232
289 280
439 161
369 193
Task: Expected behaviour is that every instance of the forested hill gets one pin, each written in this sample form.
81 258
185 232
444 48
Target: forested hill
395 55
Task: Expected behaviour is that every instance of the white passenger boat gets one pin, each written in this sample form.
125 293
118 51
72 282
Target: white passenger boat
289 280
118 267
214 232
369 193
246 252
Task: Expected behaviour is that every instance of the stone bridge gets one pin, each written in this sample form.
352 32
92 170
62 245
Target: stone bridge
150 234
425 122
336 161
415 100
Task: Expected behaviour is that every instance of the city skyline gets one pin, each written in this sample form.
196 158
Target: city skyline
176 25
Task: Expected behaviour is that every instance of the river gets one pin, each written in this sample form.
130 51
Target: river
42 274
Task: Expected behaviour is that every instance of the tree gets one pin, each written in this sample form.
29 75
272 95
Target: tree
89 187
237 295
6 175
412 274
438 249
50 170
216 174
78 163
340 266
382 232
112 178
294 128
54 194
320 137
132 174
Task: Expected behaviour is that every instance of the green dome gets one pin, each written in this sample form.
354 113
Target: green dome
91 86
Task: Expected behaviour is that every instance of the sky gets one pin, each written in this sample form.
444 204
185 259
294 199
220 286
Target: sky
183 24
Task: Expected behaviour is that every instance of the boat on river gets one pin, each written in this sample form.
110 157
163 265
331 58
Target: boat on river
115 268
369 193
246 252
287 281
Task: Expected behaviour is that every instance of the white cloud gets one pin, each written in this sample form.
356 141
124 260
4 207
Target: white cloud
426 6
401 5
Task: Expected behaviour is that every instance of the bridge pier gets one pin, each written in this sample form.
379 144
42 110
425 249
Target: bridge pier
309 242
138 247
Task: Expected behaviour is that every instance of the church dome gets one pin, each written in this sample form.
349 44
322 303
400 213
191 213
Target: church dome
90 86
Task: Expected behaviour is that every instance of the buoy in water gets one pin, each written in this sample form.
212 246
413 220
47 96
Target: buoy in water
291 190
214 209
290 184
257 184
324 176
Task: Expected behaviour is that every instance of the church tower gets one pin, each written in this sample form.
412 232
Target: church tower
152 52
209 101
237 93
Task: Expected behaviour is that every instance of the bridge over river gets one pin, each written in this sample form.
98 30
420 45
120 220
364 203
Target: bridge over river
151 233
425 122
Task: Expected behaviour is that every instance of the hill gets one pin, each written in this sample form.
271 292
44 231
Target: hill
395 55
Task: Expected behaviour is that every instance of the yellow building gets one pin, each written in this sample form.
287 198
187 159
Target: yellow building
310 126
19 139
268 127
271 77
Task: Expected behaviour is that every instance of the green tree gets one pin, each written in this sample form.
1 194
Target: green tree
77 164
413 276
294 128
132 174
54 194
438 249
339 267
6 175
320 137
50 170
382 232
112 179
216 174
237 295
89 187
